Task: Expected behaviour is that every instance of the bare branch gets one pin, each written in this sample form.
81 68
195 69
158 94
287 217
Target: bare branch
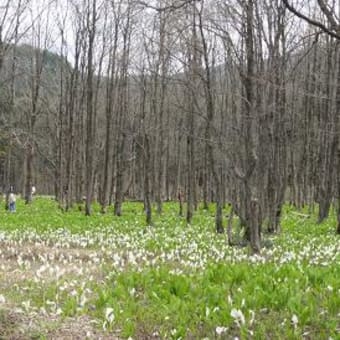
312 21
169 7
328 14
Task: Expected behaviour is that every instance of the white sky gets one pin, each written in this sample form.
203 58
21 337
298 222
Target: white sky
49 16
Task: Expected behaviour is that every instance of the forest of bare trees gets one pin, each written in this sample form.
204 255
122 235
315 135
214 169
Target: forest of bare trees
227 102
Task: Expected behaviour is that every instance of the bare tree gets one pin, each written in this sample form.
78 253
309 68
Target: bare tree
209 132
91 17
122 110
111 87
40 40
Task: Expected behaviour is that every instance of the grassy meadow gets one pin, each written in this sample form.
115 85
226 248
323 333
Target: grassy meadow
68 276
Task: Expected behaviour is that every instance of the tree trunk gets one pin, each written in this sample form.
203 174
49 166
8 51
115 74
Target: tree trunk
29 173
90 110
147 171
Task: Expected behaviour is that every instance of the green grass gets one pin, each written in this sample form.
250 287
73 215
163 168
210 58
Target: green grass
172 280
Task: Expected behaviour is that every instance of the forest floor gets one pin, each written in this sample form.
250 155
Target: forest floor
67 276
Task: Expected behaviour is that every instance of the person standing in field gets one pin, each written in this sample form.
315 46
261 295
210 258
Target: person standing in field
12 202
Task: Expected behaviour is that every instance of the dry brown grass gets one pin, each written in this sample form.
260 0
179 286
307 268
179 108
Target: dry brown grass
18 326
15 323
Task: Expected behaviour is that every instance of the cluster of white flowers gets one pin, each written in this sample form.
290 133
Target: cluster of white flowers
57 255
188 248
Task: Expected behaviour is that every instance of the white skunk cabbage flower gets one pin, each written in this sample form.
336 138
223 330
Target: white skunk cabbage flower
238 316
